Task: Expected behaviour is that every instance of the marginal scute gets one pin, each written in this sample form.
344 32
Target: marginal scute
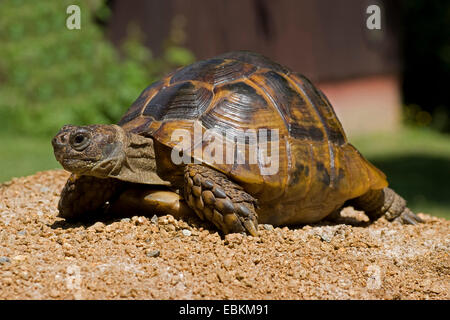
138 125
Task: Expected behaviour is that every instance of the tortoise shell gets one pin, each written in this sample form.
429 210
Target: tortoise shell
318 170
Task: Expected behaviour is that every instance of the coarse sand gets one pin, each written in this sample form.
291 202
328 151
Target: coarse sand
44 257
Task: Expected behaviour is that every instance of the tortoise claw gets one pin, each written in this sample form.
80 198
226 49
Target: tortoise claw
409 217
251 228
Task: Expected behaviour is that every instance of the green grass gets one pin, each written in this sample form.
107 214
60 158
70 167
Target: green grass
416 162
21 155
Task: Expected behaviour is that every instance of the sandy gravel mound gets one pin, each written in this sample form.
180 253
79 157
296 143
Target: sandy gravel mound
43 257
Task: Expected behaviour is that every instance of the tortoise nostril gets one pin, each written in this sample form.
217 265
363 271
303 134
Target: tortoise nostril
60 140
63 138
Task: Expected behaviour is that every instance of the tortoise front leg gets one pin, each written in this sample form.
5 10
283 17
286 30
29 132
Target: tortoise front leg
387 202
216 198
83 195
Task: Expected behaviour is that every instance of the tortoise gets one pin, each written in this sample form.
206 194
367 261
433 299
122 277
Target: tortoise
231 97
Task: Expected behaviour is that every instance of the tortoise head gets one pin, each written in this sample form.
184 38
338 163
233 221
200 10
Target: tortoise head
106 151
90 150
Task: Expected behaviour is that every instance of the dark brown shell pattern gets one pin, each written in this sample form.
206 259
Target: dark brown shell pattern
318 170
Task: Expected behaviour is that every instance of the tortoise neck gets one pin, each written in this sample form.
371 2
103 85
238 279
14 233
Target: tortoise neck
138 162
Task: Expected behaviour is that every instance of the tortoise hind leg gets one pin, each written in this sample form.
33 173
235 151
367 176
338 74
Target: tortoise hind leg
216 198
387 202
85 195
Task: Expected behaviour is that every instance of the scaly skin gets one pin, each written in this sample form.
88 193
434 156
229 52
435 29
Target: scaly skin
83 196
216 198
385 202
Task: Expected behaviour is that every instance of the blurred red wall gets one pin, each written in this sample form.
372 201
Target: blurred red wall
326 40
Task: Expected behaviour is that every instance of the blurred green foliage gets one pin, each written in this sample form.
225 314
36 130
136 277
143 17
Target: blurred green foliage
51 76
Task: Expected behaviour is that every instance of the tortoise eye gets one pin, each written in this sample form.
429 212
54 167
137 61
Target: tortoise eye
80 141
